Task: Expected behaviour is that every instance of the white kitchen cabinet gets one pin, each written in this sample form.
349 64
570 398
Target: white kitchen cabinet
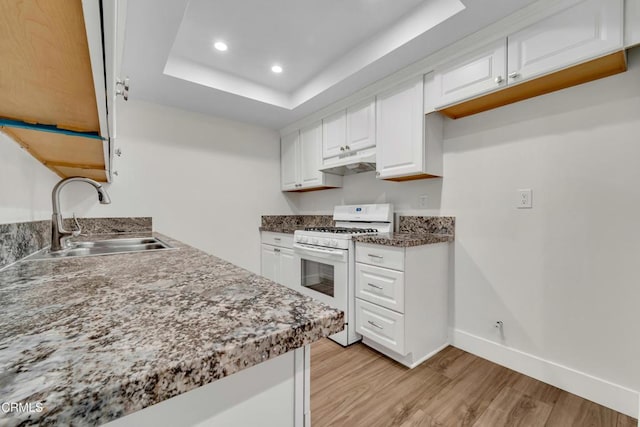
361 126
483 71
631 23
277 260
402 300
582 31
289 161
301 158
408 144
334 134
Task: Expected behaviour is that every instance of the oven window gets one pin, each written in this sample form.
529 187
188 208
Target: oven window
317 276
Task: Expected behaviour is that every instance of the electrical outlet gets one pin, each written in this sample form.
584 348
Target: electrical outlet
422 201
524 199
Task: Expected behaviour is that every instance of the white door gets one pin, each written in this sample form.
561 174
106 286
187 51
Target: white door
585 30
270 263
311 156
361 126
399 136
334 135
482 71
289 161
289 269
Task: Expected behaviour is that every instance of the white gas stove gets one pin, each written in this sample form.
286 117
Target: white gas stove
327 258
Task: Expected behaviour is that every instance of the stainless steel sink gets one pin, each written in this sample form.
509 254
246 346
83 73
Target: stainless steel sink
104 247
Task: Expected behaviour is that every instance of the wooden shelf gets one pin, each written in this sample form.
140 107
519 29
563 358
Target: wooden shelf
582 73
47 79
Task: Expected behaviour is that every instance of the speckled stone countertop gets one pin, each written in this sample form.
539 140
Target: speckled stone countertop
96 338
404 239
290 223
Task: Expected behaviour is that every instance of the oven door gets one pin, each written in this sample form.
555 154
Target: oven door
323 274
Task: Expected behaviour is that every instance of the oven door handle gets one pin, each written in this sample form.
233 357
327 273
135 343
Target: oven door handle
302 249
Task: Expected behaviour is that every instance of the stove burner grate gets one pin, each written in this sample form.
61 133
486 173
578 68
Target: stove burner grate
342 230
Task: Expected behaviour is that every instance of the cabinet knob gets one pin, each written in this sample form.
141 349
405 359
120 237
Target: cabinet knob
346 147
499 80
377 173
341 148
514 75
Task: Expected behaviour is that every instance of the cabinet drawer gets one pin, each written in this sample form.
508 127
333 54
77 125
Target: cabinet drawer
381 256
277 239
380 286
378 324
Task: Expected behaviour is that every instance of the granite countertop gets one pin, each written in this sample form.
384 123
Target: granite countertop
96 338
405 239
280 229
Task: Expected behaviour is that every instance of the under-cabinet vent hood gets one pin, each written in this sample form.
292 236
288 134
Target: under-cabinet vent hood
351 164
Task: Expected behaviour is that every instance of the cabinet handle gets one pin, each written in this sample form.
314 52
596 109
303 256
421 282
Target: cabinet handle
514 75
374 324
341 148
277 239
375 286
346 147
276 250
499 80
375 256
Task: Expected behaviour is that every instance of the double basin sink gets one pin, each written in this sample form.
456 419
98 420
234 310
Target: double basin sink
104 247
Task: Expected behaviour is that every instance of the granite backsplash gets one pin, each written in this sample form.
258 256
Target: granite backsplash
427 224
21 239
297 221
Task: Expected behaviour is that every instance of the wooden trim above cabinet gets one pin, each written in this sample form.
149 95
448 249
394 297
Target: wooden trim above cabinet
582 73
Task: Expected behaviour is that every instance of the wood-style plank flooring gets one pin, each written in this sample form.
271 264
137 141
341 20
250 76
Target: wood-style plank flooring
356 386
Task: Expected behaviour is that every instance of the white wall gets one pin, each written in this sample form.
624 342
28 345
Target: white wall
563 276
25 185
204 180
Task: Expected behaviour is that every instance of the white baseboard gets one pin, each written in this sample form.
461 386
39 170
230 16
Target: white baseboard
603 392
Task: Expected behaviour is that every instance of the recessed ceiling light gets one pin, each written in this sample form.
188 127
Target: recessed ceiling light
276 69
221 46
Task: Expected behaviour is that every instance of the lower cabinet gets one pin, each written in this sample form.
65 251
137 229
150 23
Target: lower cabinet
277 261
402 300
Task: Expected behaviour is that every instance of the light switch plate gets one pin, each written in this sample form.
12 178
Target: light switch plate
525 200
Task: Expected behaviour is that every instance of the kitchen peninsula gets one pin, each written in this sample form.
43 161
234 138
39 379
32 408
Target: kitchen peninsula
94 339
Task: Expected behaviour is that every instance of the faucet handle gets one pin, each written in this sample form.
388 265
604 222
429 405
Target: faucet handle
78 231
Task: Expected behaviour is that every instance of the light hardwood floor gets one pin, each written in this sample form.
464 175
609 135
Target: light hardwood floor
357 386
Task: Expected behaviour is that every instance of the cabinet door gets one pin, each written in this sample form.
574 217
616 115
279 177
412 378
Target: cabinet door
289 269
311 156
399 123
473 75
334 134
361 126
269 263
585 30
289 161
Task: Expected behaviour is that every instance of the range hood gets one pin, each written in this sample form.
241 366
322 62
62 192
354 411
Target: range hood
351 164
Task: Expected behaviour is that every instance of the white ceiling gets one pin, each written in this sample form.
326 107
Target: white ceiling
328 49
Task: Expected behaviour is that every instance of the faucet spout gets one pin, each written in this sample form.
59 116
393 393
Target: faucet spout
58 233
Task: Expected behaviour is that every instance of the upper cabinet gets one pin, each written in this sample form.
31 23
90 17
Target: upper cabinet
349 132
301 157
408 143
483 71
584 30
334 135
554 51
57 71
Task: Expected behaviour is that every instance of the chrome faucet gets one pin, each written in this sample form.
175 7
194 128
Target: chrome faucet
58 234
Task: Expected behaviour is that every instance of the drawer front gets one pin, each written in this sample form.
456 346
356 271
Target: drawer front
378 324
277 239
380 286
380 256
